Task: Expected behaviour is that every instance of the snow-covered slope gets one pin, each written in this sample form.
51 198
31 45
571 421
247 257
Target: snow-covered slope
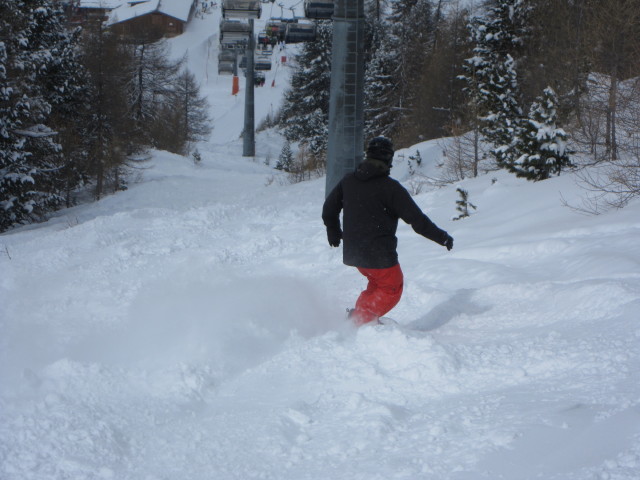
193 327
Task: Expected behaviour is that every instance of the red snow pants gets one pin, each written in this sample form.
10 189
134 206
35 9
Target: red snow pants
383 292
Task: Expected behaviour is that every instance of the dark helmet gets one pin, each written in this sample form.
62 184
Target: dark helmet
380 148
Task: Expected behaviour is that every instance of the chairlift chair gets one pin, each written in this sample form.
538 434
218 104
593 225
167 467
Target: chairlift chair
275 29
300 32
233 46
233 32
263 38
262 64
318 9
225 68
227 55
241 9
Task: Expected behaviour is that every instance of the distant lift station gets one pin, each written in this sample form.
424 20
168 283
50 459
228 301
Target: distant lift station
318 9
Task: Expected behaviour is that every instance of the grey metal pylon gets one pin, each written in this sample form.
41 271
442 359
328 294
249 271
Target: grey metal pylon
248 137
346 101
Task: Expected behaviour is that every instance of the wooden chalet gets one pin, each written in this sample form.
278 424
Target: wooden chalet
156 18
81 12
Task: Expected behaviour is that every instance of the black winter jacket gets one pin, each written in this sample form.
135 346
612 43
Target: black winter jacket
372 203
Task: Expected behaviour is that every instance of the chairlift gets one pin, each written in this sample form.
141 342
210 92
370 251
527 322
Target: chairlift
300 32
225 68
276 28
275 31
262 63
241 9
234 32
318 9
234 45
227 55
263 38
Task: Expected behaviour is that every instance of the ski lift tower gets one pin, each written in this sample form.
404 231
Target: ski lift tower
346 102
249 10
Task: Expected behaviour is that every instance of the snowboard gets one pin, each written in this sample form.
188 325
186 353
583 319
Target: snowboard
381 321
388 321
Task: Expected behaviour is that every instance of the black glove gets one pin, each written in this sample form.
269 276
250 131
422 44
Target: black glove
448 241
334 237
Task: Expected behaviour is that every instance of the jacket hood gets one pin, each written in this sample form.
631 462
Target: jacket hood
372 168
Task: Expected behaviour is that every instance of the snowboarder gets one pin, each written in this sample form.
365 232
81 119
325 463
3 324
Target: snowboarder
372 203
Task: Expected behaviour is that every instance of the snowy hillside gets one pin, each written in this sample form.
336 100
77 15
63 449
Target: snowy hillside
193 327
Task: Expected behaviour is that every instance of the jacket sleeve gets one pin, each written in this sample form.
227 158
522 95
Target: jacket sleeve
331 210
409 212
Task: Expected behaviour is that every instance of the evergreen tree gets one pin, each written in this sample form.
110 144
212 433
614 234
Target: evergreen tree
440 102
69 114
12 112
36 75
463 204
414 162
544 145
492 79
305 113
285 160
380 87
411 38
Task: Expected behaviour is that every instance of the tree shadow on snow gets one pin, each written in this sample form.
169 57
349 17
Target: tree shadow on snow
441 314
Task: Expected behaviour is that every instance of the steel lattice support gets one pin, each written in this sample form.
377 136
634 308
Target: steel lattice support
346 103
248 137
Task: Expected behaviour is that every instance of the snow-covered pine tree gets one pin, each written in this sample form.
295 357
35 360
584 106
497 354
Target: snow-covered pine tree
13 112
305 112
285 160
411 39
492 79
463 204
544 146
68 91
380 87
35 47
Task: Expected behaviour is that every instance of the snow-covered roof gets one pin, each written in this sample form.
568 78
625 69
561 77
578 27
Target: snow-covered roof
106 4
178 9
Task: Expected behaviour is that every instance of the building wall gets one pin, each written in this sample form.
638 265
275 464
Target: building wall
153 24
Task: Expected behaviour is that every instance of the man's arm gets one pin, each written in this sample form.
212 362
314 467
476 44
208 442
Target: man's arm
331 215
409 212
